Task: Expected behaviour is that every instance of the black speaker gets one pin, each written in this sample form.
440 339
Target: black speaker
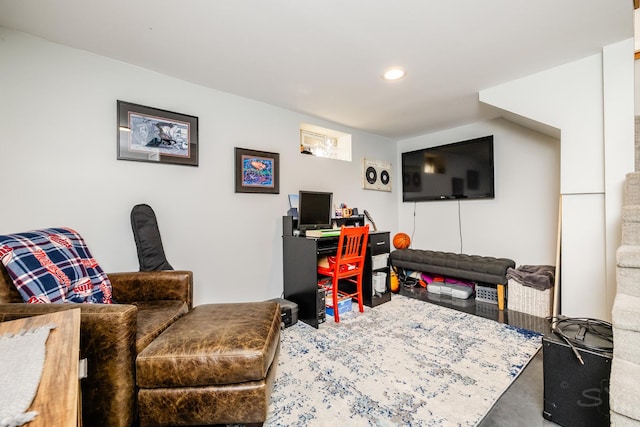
288 225
575 394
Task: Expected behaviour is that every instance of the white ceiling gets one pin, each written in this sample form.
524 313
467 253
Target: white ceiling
325 58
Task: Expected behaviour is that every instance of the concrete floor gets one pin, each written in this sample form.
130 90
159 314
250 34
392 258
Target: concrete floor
523 402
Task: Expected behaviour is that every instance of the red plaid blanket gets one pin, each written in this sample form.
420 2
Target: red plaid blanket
54 265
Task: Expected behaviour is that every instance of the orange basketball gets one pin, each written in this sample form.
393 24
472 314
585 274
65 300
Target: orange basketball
401 241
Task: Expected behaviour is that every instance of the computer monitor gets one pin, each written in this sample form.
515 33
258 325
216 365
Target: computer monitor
314 210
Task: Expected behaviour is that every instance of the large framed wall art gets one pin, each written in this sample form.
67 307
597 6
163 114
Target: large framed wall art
149 134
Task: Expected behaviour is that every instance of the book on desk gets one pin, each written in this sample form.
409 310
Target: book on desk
328 232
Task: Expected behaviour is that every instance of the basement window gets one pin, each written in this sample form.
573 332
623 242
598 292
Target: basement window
323 142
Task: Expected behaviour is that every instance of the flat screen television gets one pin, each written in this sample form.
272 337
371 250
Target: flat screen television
314 210
462 170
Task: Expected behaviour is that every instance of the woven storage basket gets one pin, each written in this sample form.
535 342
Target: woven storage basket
526 299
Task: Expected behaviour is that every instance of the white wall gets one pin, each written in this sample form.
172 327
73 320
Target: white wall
619 151
520 223
636 72
59 168
591 102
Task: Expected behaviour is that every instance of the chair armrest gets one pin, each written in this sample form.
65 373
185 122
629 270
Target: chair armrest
107 341
152 286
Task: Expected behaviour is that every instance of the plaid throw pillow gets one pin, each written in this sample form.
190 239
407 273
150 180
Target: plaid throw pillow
54 265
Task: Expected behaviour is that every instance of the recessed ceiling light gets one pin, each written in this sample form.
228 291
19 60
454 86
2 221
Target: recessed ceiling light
394 74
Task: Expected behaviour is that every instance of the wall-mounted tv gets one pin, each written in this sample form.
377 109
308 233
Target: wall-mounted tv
462 170
314 210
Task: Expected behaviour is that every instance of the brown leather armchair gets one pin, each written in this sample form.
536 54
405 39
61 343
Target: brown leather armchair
111 336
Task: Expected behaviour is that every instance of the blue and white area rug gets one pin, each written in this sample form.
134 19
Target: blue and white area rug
403 363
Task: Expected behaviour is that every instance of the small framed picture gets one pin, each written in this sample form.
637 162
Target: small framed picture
147 134
257 171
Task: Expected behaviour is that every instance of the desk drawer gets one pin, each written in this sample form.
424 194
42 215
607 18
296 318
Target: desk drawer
379 243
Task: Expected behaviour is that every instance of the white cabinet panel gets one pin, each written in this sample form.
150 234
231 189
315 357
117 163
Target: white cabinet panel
583 272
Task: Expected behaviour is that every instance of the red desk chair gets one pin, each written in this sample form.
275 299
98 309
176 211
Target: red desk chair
349 265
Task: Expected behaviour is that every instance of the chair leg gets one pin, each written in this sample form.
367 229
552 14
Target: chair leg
359 288
334 292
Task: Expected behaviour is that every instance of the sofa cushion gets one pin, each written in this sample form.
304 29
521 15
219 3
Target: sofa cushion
54 265
215 344
154 317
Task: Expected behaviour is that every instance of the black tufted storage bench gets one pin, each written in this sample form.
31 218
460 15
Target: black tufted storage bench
460 266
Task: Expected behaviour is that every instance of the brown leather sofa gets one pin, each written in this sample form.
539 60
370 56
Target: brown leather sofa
111 336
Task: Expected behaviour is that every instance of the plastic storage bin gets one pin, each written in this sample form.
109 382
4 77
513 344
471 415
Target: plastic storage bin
344 304
379 261
486 294
379 281
450 289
